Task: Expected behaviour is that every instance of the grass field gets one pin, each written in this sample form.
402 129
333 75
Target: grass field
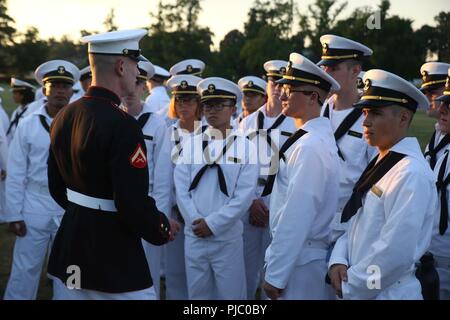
422 128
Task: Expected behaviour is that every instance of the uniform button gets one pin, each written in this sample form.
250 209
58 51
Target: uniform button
162 225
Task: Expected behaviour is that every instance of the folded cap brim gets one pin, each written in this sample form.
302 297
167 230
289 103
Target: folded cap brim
372 104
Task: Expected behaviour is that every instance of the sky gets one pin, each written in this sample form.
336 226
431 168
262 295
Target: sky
55 18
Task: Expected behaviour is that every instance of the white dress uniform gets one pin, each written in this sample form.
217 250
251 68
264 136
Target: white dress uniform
4 119
391 231
215 265
304 197
256 239
164 191
158 99
440 242
28 199
355 154
302 207
392 208
154 130
164 194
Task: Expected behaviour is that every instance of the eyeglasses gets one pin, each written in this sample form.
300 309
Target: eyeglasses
287 91
216 106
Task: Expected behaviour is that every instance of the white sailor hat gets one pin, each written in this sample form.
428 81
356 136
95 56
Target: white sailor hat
336 49
252 84
85 73
382 88
1 90
121 43
57 71
218 88
275 69
446 96
183 84
189 66
146 70
434 75
360 80
161 72
17 84
77 87
301 70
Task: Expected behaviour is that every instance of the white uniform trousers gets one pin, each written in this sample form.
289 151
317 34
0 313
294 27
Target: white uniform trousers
443 269
215 269
29 255
61 292
176 284
153 255
256 241
307 282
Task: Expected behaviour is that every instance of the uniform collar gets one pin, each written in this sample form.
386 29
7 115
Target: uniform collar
409 146
43 111
103 93
319 124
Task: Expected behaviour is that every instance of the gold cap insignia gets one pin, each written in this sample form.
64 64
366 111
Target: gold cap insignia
61 70
189 68
211 88
125 51
283 70
250 84
184 84
324 48
367 84
424 75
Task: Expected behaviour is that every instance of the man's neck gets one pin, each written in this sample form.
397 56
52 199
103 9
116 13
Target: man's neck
300 122
112 86
134 110
345 99
224 130
51 110
187 125
385 149
273 109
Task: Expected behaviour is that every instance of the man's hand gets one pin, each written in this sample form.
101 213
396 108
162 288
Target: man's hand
338 273
259 214
201 229
174 229
272 292
2 175
18 228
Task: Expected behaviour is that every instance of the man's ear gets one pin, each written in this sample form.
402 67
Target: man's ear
119 67
356 70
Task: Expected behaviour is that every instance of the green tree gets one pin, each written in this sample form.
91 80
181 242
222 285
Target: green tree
319 20
279 14
29 52
228 61
109 22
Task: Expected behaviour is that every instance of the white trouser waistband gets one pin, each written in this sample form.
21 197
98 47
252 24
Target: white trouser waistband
91 202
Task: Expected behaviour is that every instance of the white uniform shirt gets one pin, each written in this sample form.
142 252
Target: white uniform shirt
265 151
222 213
27 183
355 150
437 138
303 202
163 187
158 100
392 229
440 244
154 132
19 112
3 148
